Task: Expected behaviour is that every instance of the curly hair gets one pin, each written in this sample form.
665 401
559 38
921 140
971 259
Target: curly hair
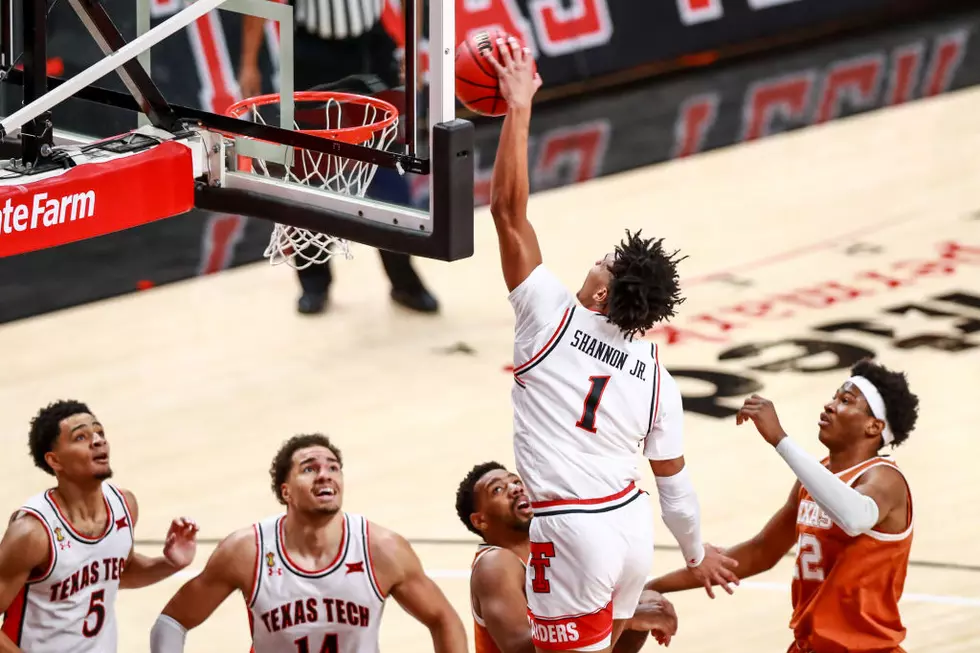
46 427
283 461
645 288
901 405
465 495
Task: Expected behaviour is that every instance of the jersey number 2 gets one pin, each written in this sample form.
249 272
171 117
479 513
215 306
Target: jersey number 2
809 558
329 644
587 421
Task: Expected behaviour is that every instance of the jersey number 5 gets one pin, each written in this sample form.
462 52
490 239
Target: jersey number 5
587 421
329 644
96 606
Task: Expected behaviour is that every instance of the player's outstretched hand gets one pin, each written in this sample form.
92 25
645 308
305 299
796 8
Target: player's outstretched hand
515 71
716 569
763 414
656 614
181 543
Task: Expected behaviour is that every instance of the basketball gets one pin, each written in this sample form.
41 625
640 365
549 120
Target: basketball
476 78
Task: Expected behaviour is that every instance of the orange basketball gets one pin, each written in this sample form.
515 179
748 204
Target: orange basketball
476 79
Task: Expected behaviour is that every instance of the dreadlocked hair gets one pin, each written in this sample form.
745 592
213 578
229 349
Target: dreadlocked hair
901 404
645 288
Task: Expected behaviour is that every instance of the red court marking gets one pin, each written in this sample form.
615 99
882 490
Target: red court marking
828 243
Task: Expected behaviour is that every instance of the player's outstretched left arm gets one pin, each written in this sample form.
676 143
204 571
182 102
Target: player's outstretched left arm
230 567
178 552
679 505
400 574
876 495
509 184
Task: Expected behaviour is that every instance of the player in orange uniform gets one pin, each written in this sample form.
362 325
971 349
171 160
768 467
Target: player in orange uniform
491 503
850 517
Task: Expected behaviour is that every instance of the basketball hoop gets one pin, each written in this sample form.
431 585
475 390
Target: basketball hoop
348 117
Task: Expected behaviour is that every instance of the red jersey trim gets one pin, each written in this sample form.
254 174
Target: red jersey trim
84 539
573 632
544 351
555 503
319 573
13 618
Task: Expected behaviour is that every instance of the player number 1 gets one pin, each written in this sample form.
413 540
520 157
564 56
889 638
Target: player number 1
587 421
329 644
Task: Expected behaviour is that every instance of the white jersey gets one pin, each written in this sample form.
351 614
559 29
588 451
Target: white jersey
336 609
71 604
585 398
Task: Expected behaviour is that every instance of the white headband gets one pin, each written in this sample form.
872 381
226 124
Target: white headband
876 403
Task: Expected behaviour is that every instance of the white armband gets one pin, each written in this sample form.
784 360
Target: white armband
854 512
167 636
682 514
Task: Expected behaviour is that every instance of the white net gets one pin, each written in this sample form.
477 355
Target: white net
301 248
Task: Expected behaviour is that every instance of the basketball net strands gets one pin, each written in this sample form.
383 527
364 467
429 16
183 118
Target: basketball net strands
302 160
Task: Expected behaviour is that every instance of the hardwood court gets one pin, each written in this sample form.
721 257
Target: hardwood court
819 239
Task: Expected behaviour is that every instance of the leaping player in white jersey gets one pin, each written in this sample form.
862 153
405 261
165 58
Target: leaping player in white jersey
586 397
68 550
315 578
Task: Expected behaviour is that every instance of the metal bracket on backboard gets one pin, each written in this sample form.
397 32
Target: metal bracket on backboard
445 233
282 14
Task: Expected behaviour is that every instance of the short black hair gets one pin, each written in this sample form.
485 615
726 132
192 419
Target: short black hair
465 495
283 461
46 427
645 288
901 405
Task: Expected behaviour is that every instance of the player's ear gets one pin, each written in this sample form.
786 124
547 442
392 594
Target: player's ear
479 521
51 458
284 492
601 295
874 427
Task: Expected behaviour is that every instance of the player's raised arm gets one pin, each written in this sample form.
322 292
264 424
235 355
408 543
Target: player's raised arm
877 495
232 566
400 574
25 547
754 556
179 548
679 504
509 185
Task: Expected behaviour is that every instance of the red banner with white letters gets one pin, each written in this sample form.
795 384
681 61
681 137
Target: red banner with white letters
94 199
578 40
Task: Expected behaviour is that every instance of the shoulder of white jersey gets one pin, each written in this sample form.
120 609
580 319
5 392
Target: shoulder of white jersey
37 502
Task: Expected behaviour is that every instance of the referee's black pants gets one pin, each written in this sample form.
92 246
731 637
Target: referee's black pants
320 61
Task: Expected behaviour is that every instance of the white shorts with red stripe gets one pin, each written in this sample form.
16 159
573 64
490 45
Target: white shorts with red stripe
589 562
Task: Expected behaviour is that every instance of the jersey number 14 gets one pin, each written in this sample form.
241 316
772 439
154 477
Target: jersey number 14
329 644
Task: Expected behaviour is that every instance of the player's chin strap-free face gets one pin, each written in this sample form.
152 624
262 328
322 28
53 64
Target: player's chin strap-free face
875 403
854 512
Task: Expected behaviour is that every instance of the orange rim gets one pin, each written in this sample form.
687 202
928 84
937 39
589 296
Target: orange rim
354 135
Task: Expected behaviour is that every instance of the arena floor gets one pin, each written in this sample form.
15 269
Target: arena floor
806 249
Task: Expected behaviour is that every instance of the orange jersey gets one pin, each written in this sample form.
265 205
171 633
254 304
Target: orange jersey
846 589
482 641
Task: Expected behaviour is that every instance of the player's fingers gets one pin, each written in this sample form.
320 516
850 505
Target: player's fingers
707 588
504 52
516 51
496 64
